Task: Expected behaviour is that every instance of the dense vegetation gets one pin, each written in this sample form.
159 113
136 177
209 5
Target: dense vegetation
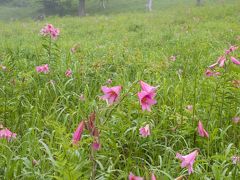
44 110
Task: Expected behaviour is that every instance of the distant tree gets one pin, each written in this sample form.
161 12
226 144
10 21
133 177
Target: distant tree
149 5
199 2
81 8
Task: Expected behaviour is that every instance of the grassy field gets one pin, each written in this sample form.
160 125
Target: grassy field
44 110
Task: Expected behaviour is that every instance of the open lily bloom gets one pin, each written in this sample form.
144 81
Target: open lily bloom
43 69
188 160
111 94
146 100
133 177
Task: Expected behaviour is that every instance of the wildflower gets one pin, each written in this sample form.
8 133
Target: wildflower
42 69
172 58
145 131
221 62
111 95
146 87
153 177
96 145
202 132
236 159
78 133
188 160
93 131
7 134
68 73
235 61
236 119
210 73
50 30
231 49
133 177
146 100
189 107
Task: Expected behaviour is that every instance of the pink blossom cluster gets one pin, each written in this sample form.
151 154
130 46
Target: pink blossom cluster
43 69
50 30
221 61
7 134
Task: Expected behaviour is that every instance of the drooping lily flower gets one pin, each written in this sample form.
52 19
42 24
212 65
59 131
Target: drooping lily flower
221 62
188 160
111 95
145 131
231 49
78 133
235 61
210 73
7 134
133 177
202 132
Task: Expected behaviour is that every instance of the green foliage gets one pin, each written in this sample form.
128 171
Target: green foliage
45 109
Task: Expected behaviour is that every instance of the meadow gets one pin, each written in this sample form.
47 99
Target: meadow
170 48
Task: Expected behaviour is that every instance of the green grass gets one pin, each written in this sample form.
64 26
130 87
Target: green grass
125 47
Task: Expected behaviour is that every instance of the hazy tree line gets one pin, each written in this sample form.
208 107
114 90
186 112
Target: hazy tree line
62 7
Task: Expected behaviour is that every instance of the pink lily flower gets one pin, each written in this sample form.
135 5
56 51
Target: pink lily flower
7 134
145 131
153 177
231 49
50 30
235 61
96 145
221 62
68 73
133 177
111 95
210 73
188 160
78 133
43 69
236 119
146 87
202 132
146 100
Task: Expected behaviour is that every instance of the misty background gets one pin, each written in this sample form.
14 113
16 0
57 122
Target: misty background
39 9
